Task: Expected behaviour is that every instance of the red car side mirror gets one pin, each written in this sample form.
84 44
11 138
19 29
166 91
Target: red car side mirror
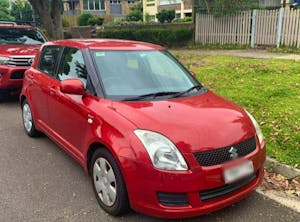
72 86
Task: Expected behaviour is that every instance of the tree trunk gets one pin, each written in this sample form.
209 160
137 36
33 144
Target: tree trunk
50 13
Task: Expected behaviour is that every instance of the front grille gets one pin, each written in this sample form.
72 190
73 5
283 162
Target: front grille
20 61
173 199
222 155
17 75
206 195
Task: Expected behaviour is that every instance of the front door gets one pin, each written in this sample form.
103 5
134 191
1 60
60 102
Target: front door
68 113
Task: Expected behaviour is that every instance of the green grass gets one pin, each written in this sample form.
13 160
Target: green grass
290 50
217 46
269 89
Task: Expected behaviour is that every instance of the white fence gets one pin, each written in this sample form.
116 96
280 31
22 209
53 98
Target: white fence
258 27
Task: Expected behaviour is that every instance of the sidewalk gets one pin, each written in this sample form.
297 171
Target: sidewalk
247 53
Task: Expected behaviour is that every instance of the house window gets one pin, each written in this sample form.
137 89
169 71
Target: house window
169 2
115 2
93 5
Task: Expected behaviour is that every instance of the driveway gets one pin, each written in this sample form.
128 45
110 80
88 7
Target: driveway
40 182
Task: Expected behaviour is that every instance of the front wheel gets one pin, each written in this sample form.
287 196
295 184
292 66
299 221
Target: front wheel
108 183
28 122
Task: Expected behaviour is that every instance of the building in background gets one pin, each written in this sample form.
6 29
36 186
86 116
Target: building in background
183 8
98 7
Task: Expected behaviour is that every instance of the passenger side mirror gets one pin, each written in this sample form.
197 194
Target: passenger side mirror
72 86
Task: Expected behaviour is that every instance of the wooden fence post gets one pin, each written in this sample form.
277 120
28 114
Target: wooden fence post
253 28
280 24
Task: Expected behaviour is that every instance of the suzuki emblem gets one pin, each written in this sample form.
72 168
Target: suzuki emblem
233 153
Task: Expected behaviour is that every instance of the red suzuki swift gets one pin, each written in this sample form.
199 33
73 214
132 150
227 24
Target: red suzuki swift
151 137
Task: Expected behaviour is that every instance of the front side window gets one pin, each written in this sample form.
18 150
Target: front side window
127 74
48 60
21 36
72 65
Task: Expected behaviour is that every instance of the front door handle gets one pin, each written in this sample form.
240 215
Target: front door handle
52 90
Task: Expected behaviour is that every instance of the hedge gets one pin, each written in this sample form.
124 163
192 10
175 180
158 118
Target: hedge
165 37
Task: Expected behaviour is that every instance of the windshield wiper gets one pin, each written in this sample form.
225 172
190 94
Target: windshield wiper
187 91
150 95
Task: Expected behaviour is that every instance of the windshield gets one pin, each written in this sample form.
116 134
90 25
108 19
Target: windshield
137 75
21 36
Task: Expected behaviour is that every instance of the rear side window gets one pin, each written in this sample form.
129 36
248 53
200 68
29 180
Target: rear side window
72 65
48 60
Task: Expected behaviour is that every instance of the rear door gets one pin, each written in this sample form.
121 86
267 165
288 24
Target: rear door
42 80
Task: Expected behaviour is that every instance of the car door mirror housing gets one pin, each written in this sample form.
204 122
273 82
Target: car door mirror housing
72 86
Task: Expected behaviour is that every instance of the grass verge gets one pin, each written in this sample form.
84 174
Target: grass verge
269 89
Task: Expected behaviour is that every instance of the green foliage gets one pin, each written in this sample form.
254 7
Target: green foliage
165 16
4 10
136 13
21 10
166 37
269 89
147 18
183 20
83 19
223 7
86 19
96 20
65 22
67 35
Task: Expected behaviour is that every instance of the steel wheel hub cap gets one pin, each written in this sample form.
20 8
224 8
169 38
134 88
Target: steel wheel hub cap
27 117
105 181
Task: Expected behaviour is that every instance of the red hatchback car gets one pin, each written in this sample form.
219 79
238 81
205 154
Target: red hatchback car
151 137
18 46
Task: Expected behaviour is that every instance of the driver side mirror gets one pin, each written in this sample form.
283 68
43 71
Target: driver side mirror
72 86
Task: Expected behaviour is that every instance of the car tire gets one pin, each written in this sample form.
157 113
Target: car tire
107 180
28 121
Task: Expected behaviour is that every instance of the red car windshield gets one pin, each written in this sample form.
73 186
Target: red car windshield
134 75
21 36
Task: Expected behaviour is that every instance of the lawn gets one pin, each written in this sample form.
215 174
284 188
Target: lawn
269 89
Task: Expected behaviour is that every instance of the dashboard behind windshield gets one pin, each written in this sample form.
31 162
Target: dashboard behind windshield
21 36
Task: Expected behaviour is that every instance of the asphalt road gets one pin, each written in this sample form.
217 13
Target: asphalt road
40 182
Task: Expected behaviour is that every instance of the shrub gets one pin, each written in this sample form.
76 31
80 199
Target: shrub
165 16
182 20
147 18
166 37
136 13
67 35
65 22
83 19
95 20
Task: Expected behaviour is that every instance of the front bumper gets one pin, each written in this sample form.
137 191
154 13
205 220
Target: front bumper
144 183
11 78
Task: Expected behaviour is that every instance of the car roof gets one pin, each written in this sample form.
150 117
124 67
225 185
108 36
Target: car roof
17 26
106 44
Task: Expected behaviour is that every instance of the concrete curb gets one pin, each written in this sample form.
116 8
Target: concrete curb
285 170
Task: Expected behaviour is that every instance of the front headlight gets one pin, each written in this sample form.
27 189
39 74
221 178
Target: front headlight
162 152
3 60
257 128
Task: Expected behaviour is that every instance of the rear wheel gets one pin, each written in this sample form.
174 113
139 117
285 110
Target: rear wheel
108 183
28 122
